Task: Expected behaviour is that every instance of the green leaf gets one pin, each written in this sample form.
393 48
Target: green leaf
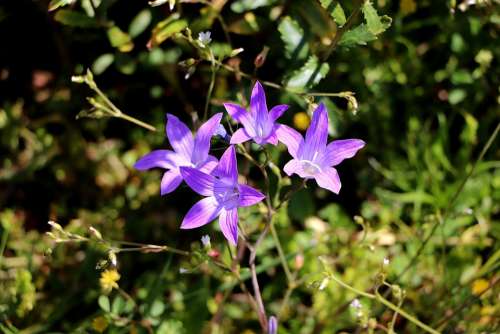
240 6
292 35
120 39
373 21
308 75
357 36
166 29
336 11
102 63
139 23
103 302
118 305
456 96
54 4
75 19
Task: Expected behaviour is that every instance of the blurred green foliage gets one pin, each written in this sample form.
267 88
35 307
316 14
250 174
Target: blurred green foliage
425 76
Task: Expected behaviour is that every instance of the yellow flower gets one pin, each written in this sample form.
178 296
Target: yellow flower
407 6
479 286
108 280
100 324
301 121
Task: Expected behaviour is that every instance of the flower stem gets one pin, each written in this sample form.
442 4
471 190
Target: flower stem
381 299
281 254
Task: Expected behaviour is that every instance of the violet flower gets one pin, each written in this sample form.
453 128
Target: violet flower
224 195
188 151
312 157
258 124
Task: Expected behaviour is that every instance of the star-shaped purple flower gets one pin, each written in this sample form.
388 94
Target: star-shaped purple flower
224 195
258 124
188 151
312 157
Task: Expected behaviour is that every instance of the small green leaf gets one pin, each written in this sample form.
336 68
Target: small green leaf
75 19
103 302
118 305
166 29
54 4
372 19
157 308
292 35
308 75
357 36
120 39
336 11
456 96
240 6
102 63
139 23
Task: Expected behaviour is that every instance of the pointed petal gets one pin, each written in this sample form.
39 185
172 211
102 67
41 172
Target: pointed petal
329 179
203 136
317 133
290 137
170 181
200 182
272 139
258 106
228 222
227 167
338 150
293 166
180 136
249 196
159 158
277 111
240 136
209 165
203 212
240 115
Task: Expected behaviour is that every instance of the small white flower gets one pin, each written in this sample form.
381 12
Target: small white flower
324 283
204 37
183 270
356 304
386 261
205 240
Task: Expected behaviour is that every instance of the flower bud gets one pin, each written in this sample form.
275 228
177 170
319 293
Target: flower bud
261 57
272 326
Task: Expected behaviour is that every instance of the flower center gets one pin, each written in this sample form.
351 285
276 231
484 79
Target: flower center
227 195
310 168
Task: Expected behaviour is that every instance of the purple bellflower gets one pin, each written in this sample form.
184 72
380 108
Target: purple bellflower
312 157
258 124
188 151
224 195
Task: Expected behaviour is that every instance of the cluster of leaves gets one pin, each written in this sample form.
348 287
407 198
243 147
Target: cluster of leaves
426 85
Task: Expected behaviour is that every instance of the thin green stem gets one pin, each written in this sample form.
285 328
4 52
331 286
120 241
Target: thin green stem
214 68
381 299
137 122
281 254
451 203
3 244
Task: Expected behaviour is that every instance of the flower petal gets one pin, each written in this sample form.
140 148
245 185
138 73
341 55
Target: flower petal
203 212
329 179
159 158
240 115
339 150
293 166
170 181
277 111
272 139
317 133
228 222
203 136
258 106
200 182
240 136
180 136
209 165
290 137
227 167
249 196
